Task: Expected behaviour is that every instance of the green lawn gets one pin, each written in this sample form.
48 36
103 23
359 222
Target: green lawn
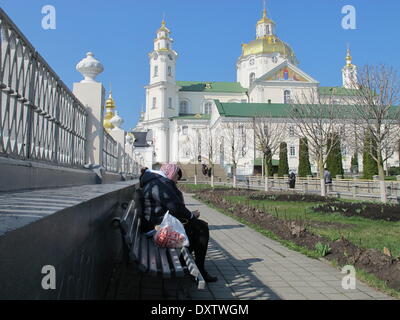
362 232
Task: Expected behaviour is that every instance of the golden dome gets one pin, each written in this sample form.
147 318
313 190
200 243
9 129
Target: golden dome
270 44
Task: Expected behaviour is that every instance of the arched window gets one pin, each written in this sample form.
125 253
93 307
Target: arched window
286 96
183 107
252 77
169 71
154 102
207 107
155 71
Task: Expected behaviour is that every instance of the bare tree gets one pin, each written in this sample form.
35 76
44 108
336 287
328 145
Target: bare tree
212 141
234 133
376 108
268 136
317 120
192 146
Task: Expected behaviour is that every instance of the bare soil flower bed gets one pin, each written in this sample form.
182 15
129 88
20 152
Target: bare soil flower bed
373 261
288 197
365 210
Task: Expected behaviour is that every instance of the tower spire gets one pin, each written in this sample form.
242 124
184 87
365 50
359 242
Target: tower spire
265 10
349 72
348 56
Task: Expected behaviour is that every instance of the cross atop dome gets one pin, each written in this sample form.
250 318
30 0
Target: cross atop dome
265 26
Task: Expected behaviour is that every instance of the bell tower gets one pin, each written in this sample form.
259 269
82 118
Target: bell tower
161 93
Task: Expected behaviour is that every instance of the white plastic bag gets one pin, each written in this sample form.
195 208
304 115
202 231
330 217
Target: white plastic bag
171 233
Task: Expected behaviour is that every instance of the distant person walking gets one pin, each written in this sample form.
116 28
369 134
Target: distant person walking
292 179
328 179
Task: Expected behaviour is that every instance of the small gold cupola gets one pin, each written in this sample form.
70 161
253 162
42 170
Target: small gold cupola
348 57
110 106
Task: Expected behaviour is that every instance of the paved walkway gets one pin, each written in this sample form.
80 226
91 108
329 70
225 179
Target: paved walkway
252 266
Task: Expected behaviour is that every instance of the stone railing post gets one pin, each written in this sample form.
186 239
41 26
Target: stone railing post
354 189
305 187
91 93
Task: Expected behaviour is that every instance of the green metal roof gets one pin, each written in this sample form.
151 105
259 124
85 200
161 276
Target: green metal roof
210 86
273 110
278 110
337 91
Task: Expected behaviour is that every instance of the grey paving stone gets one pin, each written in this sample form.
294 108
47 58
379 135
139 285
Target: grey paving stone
248 261
358 296
315 296
336 296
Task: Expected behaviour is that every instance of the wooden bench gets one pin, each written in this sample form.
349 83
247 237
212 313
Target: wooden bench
150 259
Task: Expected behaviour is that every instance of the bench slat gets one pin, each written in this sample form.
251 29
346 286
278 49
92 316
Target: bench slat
153 252
193 270
134 221
136 237
144 261
174 254
166 271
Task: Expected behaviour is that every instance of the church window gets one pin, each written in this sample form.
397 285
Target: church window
251 62
155 71
170 103
168 46
268 32
207 107
252 77
292 151
169 71
183 107
185 130
274 59
154 102
286 96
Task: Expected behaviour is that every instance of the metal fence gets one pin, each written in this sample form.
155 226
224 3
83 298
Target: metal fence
357 189
40 118
110 153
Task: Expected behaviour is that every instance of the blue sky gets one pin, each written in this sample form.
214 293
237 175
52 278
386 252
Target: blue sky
208 35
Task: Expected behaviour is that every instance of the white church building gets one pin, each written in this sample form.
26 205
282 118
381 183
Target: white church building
180 114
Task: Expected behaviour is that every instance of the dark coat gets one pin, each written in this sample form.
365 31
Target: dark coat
160 195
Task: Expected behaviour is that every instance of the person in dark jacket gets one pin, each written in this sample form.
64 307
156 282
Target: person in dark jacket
160 194
292 180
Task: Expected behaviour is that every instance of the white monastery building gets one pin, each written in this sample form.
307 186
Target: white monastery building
180 116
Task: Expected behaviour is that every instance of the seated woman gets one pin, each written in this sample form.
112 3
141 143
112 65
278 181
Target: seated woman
161 195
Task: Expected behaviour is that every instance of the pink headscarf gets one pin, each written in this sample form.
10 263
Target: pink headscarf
169 170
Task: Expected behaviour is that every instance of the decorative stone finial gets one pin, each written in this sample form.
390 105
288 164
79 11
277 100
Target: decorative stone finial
117 121
128 138
90 68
